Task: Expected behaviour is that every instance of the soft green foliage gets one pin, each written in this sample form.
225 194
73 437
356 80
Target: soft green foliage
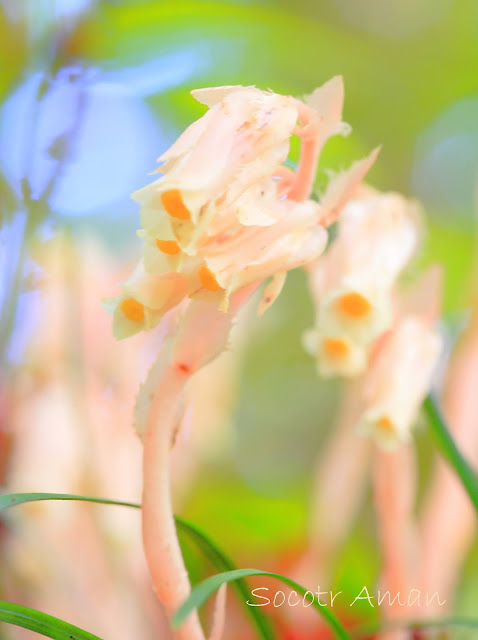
13 499
52 627
41 623
215 556
203 591
395 86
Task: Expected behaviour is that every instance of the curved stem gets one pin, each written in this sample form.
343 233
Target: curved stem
163 554
447 447
201 337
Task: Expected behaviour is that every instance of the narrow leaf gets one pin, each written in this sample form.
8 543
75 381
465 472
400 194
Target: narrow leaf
12 499
215 556
450 451
201 592
222 563
41 623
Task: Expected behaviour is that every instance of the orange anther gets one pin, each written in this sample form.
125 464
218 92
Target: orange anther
132 309
336 347
385 424
168 246
208 280
354 305
172 201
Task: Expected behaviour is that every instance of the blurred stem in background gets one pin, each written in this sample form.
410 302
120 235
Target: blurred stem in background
394 482
447 447
448 522
36 209
22 212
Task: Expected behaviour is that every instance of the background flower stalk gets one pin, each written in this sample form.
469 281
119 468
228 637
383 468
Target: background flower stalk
448 521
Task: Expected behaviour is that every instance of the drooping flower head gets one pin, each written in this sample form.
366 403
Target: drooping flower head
227 212
352 283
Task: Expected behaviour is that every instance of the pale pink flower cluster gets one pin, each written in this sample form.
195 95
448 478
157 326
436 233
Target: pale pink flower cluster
228 212
359 327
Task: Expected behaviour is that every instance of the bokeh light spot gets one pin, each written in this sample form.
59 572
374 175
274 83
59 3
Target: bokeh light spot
114 144
445 170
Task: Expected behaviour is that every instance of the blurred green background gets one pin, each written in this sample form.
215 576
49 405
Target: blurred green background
92 92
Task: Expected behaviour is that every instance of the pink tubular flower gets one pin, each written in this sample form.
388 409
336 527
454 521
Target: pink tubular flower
144 301
227 212
399 380
402 367
352 283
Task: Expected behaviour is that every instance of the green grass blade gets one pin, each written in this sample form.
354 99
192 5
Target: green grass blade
216 557
449 450
41 623
222 563
201 593
12 499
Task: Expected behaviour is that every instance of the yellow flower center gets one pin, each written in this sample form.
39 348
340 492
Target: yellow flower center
132 309
385 424
208 280
172 201
354 305
168 246
336 347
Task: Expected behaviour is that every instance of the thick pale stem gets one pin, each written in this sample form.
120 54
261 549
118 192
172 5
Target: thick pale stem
394 488
163 554
202 336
